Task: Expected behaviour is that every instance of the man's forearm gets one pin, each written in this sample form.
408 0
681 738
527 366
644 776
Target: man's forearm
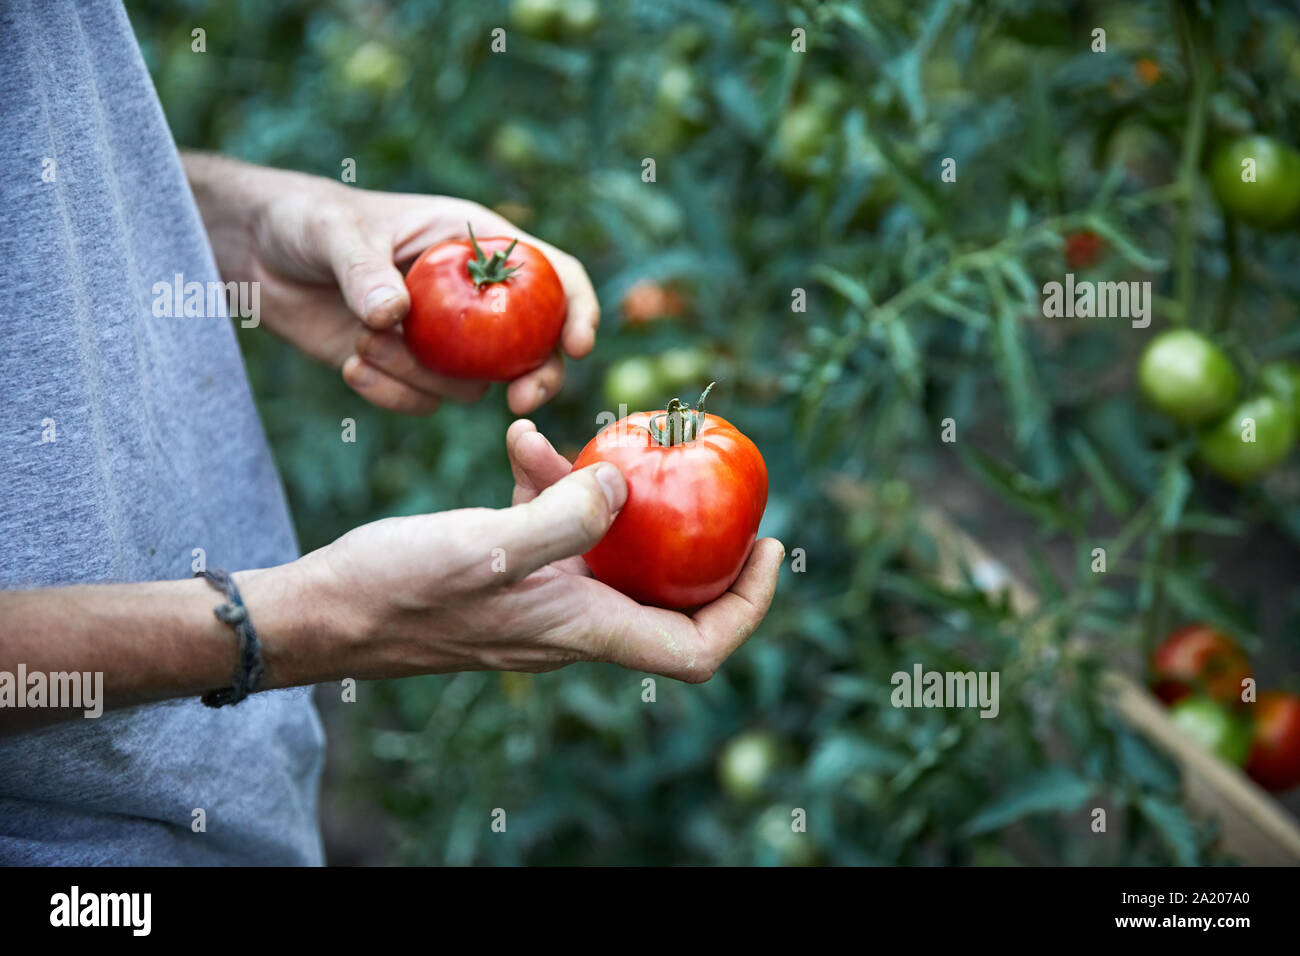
158 640
231 196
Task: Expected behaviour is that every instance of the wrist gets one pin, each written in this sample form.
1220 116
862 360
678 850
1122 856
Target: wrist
237 201
301 626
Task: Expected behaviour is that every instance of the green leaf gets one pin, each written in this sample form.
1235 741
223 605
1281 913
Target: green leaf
1118 502
1173 826
1056 789
1175 485
1127 248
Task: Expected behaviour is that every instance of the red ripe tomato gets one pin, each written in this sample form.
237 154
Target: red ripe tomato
647 301
1082 249
1198 659
1274 760
488 317
696 490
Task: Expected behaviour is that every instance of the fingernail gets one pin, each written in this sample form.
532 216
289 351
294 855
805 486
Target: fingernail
379 298
541 393
611 483
357 373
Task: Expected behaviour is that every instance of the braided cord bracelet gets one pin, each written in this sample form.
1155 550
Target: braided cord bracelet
248 675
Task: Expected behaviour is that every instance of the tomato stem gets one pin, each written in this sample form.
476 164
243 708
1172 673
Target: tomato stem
683 423
484 270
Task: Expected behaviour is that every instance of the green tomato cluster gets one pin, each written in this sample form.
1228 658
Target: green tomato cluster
645 383
1192 381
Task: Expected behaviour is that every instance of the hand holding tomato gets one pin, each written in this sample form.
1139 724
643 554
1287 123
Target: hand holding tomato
329 259
506 589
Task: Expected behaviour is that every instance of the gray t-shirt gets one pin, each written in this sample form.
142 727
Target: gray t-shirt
157 450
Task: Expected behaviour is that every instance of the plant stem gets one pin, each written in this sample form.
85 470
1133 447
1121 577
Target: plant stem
1193 141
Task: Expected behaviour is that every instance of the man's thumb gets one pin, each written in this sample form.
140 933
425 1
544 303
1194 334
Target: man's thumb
567 518
372 287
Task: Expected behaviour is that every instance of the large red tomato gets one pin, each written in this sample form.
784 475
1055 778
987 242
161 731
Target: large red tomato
1197 658
489 317
1274 759
696 490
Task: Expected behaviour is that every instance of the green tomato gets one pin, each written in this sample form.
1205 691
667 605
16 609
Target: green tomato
1274 195
1187 377
514 144
373 66
676 86
802 136
746 763
634 382
684 366
537 17
1283 380
776 833
1213 727
1251 439
580 17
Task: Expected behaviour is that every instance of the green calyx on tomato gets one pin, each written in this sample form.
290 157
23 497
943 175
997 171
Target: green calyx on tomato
697 488
483 269
681 422
1187 377
1213 727
1257 178
1250 440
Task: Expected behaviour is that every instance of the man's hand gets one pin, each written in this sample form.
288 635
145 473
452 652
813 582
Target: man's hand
508 590
329 260
463 590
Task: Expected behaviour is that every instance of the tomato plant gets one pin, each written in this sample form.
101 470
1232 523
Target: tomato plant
1198 659
1274 760
697 488
483 317
1187 377
1213 727
1273 196
1250 440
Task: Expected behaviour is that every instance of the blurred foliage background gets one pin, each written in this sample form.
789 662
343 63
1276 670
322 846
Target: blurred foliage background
819 171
